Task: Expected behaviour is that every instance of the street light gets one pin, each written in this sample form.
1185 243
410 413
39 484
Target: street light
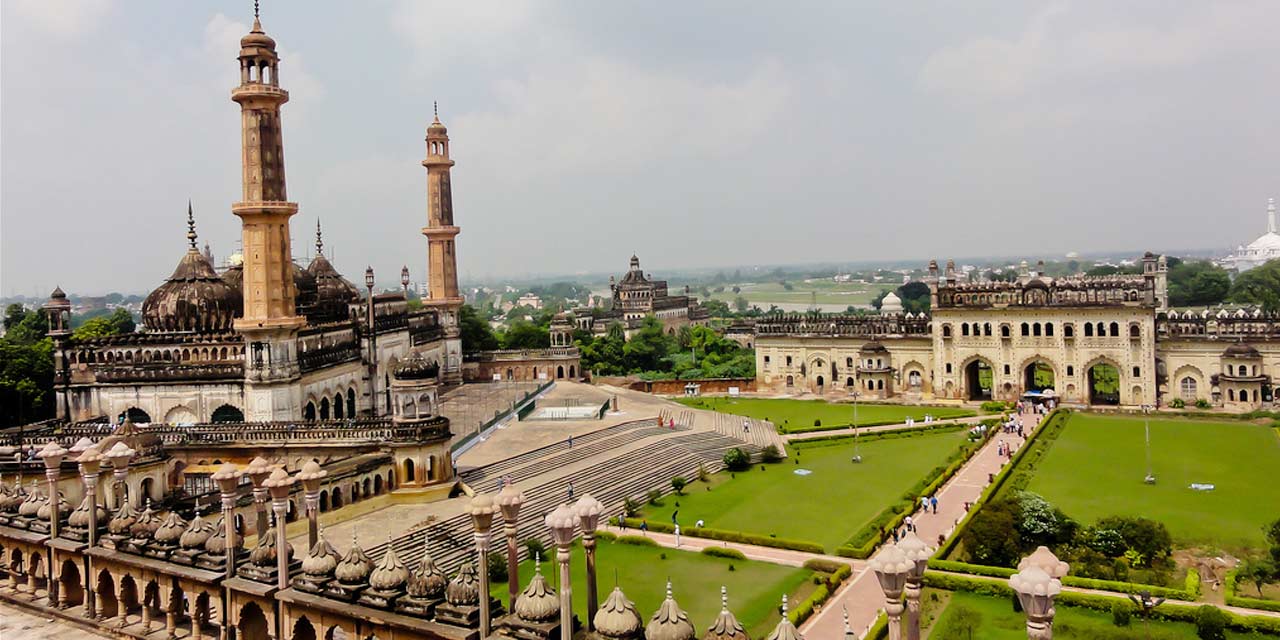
90 461
404 280
917 552
258 471
311 476
1146 422
482 509
891 567
228 478
279 483
1035 590
119 456
373 352
52 455
589 510
509 501
561 522
1146 604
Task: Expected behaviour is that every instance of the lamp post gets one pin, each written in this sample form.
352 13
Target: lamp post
561 522
891 567
228 478
1146 423
373 346
258 471
404 280
918 553
857 444
589 510
279 483
119 456
90 462
482 509
311 476
52 455
1036 589
509 500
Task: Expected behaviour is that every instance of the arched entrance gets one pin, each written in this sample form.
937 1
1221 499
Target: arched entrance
309 414
560 372
302 630
69 582
978 380
351 403
324 408
253 624
1104 384
408 470
108 606
228 413
136 415
821 382
338 407
1038 376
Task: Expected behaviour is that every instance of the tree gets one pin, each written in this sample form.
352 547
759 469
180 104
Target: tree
684 337
118 323
26 367
962 618
1260 286
740 304
647 347
25 327
992 537
1211 623
1197 283
1150 539
526 335
678 483
476 333
736 459
1273 536
1259 572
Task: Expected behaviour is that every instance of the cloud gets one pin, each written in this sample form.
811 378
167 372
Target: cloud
62 18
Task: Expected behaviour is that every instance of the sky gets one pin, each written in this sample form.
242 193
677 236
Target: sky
694 134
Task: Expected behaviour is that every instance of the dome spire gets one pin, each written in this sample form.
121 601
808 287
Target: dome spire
257 24
319 240
191 226
1271 215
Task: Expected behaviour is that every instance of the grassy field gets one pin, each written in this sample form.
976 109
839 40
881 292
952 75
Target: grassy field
999 622
827 506
827 292
801 413
1096 467
755 588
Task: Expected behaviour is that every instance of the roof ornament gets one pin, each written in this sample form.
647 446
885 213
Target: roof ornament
319 240
191 226
255 9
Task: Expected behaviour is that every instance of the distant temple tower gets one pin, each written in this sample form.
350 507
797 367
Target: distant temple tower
442 261
270 321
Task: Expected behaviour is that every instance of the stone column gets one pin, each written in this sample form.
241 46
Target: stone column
893 609
146 613
282 558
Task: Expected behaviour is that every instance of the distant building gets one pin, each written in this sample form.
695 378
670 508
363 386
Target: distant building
637 297
529 300
1258 252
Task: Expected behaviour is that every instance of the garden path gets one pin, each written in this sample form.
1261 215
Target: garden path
793 437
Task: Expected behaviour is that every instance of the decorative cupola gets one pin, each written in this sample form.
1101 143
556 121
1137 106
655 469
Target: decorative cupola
538 601
194 298
464 589
83 518
171 530
352 573
785 630
387 581
191 542
32 502
670 622
318 567
726 625
215 547
118 527
462 600
618 618
145 526
425 588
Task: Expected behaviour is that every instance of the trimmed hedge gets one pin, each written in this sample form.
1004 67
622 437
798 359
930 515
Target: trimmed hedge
1190 593
824 590
879 629
823 565
606 535
729 536
723 552
1234 600
1175 612
639 541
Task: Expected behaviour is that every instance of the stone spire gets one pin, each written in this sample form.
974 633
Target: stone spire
670 622
726 625
785 629
319 239
1271 215
191 227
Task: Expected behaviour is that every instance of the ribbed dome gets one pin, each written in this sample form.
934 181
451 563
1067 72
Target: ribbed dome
32 502
1241 350
321 560
217 543
390 574
81 516
264 554
172 529
146 524
123 519
197 533
617 617
45 507
257 37
726 625
304 287
355 566
464 589
415 366
333 292
428 581
538 602
670 622
194 298
6 497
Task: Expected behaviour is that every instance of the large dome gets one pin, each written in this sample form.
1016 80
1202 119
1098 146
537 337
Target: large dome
194 298
333 292
1266 242
304 286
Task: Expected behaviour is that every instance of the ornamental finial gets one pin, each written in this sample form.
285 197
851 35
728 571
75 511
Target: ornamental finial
191 226
319 240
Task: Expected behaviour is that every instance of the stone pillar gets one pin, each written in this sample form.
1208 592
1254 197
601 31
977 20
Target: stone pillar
482 547
513 563
893 609
566 593
312 499
146 614
593 599
260 507
282 558
91 487
912 592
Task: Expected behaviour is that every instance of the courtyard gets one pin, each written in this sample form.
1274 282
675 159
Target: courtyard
755 588
1096 467
789 414
817 494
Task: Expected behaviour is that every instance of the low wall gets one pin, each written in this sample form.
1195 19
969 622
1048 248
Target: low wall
705 386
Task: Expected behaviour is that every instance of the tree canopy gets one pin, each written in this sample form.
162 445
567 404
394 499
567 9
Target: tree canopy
1197 283
1260 286
26 367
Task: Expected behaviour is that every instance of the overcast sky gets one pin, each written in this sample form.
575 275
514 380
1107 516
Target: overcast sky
692 133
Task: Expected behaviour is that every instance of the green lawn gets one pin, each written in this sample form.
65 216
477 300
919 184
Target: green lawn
755 588
801 413
999 622
828 506
1096 467
827 292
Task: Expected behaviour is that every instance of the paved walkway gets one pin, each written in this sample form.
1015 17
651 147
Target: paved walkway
792 437
862 595
751 551
24 624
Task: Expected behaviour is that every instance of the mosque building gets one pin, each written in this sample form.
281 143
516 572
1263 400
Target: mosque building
1260 251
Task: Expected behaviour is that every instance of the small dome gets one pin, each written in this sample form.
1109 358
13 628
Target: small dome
873 347
670 622
257 38
785 629
415 366
194 298
726 625
322 560
172 529
197 533
146 524
217 543
538 602
34 500
81 516
464 589
891 303
436 127
123 520
428 581
1241 350
6 496
390 574
355 567
264 554
305 288
617 617
64 507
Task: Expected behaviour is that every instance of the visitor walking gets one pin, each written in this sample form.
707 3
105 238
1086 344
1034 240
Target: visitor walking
933 502
570 489
924 503
570 442
910 525
895 535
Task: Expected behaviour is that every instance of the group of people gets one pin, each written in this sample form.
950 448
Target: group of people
928 419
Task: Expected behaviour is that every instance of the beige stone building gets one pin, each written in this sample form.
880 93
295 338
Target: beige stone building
1083 340
638 296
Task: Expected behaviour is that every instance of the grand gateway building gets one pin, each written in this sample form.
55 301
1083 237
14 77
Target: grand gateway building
1105 340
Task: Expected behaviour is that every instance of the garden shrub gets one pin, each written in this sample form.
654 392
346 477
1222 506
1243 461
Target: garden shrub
1201 403
630 507
1121 613
723 552
1177 403
655 497
608 536
823 565
639 541
1211 623
994 406
678 483
771 454
534 547
736 459
498 566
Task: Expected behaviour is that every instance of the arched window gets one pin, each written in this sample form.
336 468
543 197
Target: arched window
1188 388
324 408
1115 329
1231 395
351 403
338 407
1068 331
964 329
1004 331
946 331
1088 330
986 329
1026 329
1048 329
1035 329
1134 331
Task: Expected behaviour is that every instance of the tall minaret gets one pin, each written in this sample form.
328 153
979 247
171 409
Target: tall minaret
270 323
442 260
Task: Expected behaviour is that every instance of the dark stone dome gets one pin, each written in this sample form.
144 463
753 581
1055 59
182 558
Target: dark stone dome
194 298
1241 350
873 347
416 367
304 285
333 292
